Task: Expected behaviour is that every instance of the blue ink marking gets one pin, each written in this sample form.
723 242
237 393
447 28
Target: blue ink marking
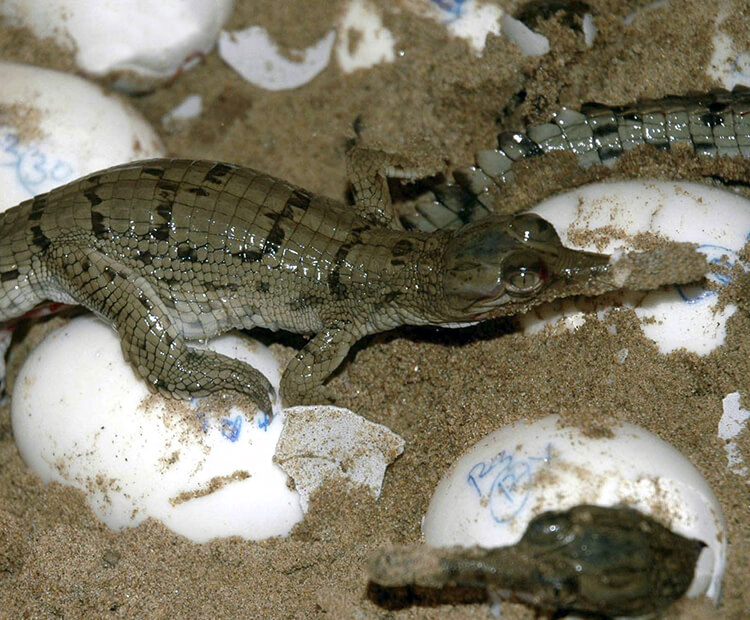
716 255
203 419
35 170
263 421
454 8
504 482
231 428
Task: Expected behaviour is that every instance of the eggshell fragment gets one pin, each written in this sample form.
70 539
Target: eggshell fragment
81 417
734 421
134 43
257 58
497 486
607 217
730 62
363 40
58 127
471 20
322 443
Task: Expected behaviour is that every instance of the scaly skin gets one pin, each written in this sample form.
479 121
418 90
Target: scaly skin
589 559
170 251
713 124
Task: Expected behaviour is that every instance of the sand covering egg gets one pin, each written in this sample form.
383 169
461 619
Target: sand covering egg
610 217
46 140
134 45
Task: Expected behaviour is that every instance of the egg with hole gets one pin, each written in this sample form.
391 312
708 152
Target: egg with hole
58 127
605 217
132 43
81 417
489 495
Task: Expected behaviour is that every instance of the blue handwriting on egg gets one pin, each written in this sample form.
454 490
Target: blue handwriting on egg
36 170
504 483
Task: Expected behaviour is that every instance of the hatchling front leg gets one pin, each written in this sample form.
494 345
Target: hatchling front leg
368 171
304 376
151 342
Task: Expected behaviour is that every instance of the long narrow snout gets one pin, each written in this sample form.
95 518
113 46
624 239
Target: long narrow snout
577 264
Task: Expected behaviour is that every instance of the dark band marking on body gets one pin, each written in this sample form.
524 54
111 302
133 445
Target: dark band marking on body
712 119
186 252
164 210
98 227
167 185
6 276
274 239
161 230
154 172
38 238
215 173
606 129
299 199
38 207
249 256
92 197
277 234
402 247
144 257
339 260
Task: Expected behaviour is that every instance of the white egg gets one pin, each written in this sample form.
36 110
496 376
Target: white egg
58 127
496 487
612 214
138 44
81 417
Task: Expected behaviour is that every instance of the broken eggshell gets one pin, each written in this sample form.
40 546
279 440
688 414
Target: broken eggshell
81 417
607 217
323 443
489 495
57 127
137 45
258 59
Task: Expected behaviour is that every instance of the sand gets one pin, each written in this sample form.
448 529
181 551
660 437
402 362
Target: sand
441 390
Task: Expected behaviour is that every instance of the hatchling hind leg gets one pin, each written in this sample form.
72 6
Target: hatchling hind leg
150 340
368 171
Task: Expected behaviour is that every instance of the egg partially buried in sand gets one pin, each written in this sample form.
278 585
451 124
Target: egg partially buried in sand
58 127
81 417
606 217
135 44
489 495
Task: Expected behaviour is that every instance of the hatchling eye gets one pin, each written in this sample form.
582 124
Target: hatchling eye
546 530
531 227
523 273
